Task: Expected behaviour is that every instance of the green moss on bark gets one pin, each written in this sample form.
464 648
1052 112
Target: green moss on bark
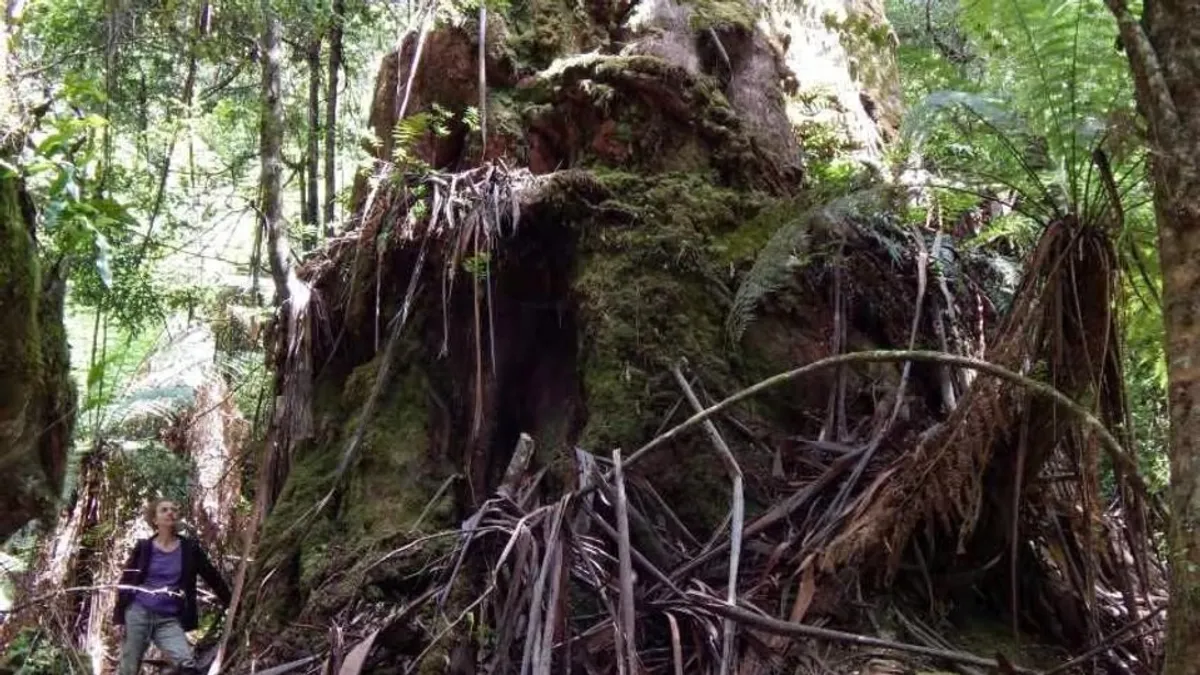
544 29
35 391
20 342
654 287
385 490
722 14
641 113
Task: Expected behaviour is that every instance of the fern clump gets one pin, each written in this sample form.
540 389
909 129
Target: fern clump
791 247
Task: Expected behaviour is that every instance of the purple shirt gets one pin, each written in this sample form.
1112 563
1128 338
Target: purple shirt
163 577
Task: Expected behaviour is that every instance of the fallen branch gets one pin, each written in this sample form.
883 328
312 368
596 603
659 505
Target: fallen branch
627 647
1111 444
778 627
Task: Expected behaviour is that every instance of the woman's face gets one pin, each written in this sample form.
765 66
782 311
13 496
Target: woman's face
165 515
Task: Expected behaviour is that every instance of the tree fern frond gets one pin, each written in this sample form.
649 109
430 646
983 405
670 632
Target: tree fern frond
919 123
1000 123
790 248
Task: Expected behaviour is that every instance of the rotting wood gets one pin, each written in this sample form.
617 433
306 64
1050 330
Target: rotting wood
517 466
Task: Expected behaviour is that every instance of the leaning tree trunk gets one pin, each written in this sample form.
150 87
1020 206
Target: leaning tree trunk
1164 55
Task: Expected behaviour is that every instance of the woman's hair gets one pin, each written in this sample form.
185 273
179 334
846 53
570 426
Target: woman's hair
152 510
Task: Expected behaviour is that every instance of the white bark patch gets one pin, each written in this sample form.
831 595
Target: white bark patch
663 29
830 60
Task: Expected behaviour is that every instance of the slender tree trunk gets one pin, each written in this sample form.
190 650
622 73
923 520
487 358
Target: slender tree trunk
298 171
1164 56
312 156
271 147
331 98
189 95
7 103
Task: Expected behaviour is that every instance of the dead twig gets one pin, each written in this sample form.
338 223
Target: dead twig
737 519
647 566
1117 637
626 633
776 514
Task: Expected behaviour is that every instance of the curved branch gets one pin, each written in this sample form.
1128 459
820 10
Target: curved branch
790 629
1111 444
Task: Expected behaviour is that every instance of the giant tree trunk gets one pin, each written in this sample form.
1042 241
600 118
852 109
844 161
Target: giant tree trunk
36 396
1164 54
660 157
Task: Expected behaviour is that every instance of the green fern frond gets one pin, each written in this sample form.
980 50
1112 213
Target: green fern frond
921 121
791 248
1045 91
405 135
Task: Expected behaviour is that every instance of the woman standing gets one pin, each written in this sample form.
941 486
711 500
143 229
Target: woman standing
157 597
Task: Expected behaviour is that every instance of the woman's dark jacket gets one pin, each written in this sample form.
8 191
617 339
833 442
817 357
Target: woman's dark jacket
194 562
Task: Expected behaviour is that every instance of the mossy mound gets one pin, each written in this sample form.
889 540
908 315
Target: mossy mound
653 199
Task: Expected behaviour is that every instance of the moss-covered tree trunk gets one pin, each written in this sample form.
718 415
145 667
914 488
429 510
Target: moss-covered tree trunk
36 397
1164 51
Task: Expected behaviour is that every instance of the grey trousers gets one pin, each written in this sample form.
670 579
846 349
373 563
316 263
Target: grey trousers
143 626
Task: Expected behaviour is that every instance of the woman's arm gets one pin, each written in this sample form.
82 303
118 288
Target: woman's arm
211 576
129 577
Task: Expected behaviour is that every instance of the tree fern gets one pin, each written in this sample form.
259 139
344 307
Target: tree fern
1045 109
1051 90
